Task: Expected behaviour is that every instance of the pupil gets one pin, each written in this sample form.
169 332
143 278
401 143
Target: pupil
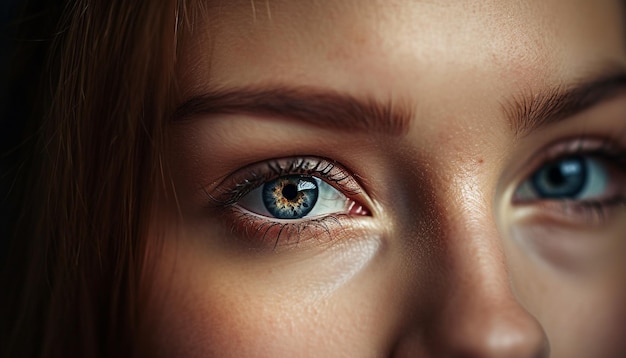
555 176
290 191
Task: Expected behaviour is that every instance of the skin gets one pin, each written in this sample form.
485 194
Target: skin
445 264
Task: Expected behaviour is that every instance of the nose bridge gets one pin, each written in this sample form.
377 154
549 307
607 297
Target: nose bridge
476 313
473 254
479 315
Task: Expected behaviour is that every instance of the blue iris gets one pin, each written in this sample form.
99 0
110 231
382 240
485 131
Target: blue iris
561 179
290 197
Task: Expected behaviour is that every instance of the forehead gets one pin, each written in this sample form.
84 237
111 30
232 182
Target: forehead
401 44
452 63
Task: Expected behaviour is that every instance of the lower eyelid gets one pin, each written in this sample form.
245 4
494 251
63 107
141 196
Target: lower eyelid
266 233
571 213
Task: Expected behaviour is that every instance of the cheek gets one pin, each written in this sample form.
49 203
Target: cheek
585 323
211 304
205 315
574 283
228 324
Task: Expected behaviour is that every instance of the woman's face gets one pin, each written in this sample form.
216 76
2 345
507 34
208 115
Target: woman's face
397 178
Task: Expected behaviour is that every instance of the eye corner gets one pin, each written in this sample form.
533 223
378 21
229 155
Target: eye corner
357 209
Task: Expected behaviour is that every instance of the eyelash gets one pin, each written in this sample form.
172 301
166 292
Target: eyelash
593 211
264 230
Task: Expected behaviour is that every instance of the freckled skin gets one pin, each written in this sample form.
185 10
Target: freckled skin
444 265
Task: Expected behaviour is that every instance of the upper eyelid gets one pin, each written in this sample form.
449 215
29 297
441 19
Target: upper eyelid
589 145
250 177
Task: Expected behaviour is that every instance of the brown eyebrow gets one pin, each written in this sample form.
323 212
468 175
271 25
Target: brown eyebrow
329 109
324 108
529 112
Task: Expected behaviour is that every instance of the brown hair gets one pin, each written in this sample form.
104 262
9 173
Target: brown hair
79 245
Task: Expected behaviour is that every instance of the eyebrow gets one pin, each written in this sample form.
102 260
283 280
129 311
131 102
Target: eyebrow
532 111
323 108
329 109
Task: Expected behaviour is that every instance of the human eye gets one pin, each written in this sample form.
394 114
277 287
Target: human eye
580 181
290 200
298 196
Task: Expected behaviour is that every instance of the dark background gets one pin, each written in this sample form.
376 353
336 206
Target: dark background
26 29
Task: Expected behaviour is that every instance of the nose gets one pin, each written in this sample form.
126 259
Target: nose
475 313
486 324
